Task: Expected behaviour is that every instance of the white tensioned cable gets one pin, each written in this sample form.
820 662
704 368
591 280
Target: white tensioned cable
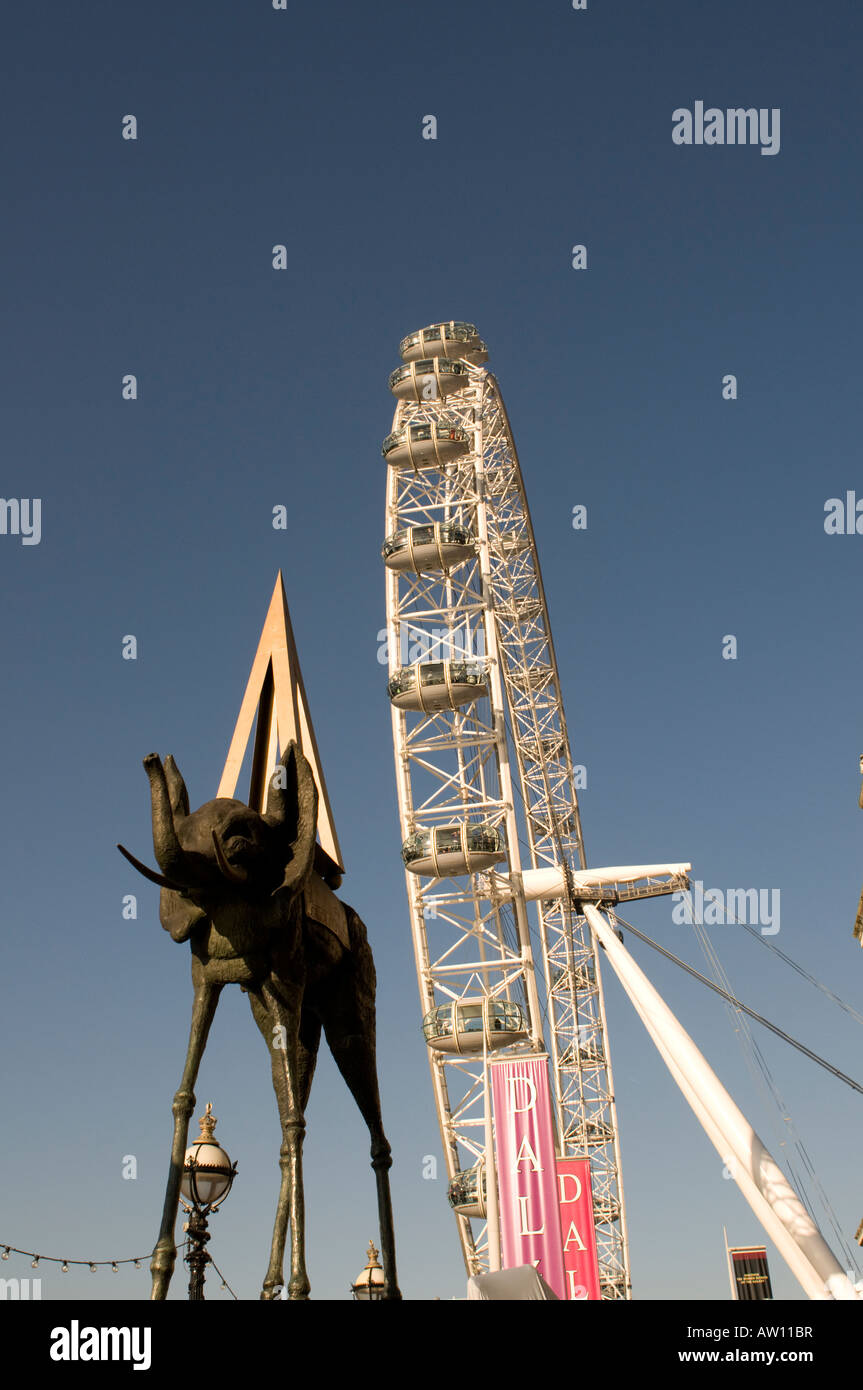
581 1069
755 1061
786 1129
741 1010
801 970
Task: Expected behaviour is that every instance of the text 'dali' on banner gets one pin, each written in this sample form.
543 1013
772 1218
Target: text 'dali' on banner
526 1173
580 1260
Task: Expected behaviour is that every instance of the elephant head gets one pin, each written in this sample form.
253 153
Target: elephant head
225 850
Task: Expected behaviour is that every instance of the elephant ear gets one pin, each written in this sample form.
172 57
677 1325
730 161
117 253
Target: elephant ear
292 812
177 915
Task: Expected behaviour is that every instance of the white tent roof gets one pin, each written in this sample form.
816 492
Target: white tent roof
512 1284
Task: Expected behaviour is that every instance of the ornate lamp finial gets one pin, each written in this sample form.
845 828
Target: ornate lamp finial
208 1122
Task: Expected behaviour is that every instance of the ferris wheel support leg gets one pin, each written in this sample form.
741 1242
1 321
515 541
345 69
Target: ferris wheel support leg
758 1176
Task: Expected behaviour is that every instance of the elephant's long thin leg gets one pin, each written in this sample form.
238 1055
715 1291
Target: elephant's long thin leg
293 1065
351 1037
165 1253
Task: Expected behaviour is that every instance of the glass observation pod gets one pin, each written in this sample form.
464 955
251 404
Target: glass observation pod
432 685
444 339
466 1025
466 1191
509 543
597 1133
606 1211
588 1053
436 547
561 825
450 850
532 679
426 445
524 609
429 380
547 747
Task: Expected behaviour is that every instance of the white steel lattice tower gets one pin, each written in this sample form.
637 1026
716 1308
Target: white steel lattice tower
487 787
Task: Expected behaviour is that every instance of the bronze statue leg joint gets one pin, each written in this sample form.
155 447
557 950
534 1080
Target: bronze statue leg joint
382 1158
183 1104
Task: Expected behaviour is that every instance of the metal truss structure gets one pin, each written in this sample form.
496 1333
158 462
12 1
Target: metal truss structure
481 746
492 836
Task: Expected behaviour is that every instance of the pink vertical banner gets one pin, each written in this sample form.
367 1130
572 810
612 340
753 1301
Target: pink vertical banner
579 1233
526 1174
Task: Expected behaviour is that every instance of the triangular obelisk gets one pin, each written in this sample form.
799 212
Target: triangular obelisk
276 695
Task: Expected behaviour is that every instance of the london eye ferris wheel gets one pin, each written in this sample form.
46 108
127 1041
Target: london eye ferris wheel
487 788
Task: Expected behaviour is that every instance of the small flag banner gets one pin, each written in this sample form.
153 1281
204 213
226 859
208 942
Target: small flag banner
580 1260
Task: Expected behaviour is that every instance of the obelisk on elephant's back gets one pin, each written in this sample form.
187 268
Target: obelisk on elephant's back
249 884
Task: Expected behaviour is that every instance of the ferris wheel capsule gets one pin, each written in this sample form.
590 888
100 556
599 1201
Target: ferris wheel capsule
466 1193
426 445
508 544
473 1025
531 678
429 380
453 339
436 547
597 1134
606 1211
451 850
537 750
434 685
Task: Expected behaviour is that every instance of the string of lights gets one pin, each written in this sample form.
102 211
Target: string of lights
92 1265
225 1284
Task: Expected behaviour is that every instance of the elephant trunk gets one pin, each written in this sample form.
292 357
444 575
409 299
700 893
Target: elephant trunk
292 811
171 857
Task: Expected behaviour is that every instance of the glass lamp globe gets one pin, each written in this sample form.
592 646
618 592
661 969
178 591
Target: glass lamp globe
207 1169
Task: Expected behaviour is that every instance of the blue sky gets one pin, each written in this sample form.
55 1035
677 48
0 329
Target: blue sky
258 387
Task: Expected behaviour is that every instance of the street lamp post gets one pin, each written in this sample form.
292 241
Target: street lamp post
207 1177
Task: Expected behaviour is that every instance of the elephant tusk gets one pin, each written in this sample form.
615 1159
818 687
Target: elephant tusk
151 873
230 873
